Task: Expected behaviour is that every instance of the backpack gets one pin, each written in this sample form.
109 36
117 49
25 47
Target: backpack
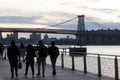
53 50
43 51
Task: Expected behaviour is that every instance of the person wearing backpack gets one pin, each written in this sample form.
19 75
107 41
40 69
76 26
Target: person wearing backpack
41 59
53 52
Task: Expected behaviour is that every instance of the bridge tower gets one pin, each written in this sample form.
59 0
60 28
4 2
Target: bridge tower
81 23
80 39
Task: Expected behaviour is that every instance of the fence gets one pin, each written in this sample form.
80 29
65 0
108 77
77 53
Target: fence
100 64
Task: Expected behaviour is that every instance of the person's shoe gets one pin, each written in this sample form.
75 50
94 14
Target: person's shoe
16 75
54 73
12 76
25 74
38 74
43 75
32 76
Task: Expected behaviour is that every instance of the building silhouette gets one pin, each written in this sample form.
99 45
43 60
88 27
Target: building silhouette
35 37
92 37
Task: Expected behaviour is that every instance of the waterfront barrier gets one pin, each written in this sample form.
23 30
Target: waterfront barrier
114 71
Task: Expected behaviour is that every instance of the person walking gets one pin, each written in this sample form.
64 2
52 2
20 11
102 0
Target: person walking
1 50
30 59
13 57
53 51
41 59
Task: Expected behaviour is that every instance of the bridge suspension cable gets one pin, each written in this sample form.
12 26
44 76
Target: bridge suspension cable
95 23
64 22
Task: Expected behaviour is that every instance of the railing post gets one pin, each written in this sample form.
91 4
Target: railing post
99 66
62 60
65 51
73 63
85 64
116 68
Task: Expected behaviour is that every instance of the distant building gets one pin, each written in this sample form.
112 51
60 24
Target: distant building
66 41
23 40
46 39
35 37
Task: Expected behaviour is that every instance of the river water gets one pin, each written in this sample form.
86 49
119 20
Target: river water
111 50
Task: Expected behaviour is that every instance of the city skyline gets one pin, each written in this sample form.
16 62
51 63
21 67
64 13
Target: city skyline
27 35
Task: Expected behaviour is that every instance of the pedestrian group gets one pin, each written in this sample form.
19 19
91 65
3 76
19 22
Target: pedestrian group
17 55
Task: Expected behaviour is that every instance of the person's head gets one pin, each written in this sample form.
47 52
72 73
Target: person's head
0 43
12 43
53 43
21 45
29 46
40 42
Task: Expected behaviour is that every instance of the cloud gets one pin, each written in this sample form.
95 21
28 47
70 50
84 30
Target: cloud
37 13
105 10
17 19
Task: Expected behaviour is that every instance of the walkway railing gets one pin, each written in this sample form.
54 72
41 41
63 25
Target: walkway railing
98 57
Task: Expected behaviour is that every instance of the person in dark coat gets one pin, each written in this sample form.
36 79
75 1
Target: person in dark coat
30 59
13 57
1 50
53 51
42 52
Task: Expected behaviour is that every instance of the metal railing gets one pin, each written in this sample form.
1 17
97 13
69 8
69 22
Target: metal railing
98 56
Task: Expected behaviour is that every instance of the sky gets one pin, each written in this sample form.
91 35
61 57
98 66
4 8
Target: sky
45 13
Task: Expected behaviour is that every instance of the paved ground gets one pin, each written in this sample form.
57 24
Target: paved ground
62 74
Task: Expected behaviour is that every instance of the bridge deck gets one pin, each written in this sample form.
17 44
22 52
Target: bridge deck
62 74
41 30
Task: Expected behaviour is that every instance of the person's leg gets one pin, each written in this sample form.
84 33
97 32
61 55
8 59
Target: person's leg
53 61
27 66
32 67
43 67
39 63
12 70
2 55
16 69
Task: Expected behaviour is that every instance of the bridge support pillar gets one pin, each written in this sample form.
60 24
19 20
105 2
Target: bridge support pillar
80 38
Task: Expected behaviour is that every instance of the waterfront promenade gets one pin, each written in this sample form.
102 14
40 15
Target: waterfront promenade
62 74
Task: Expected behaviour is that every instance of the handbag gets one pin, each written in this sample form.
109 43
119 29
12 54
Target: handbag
20 65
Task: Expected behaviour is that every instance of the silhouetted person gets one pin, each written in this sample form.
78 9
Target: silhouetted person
13 57
53 51
22 51
42 54
1 50
30 59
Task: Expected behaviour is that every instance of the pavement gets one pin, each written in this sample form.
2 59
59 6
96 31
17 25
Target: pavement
62 74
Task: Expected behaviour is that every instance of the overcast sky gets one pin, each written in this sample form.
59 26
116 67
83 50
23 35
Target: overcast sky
43 13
